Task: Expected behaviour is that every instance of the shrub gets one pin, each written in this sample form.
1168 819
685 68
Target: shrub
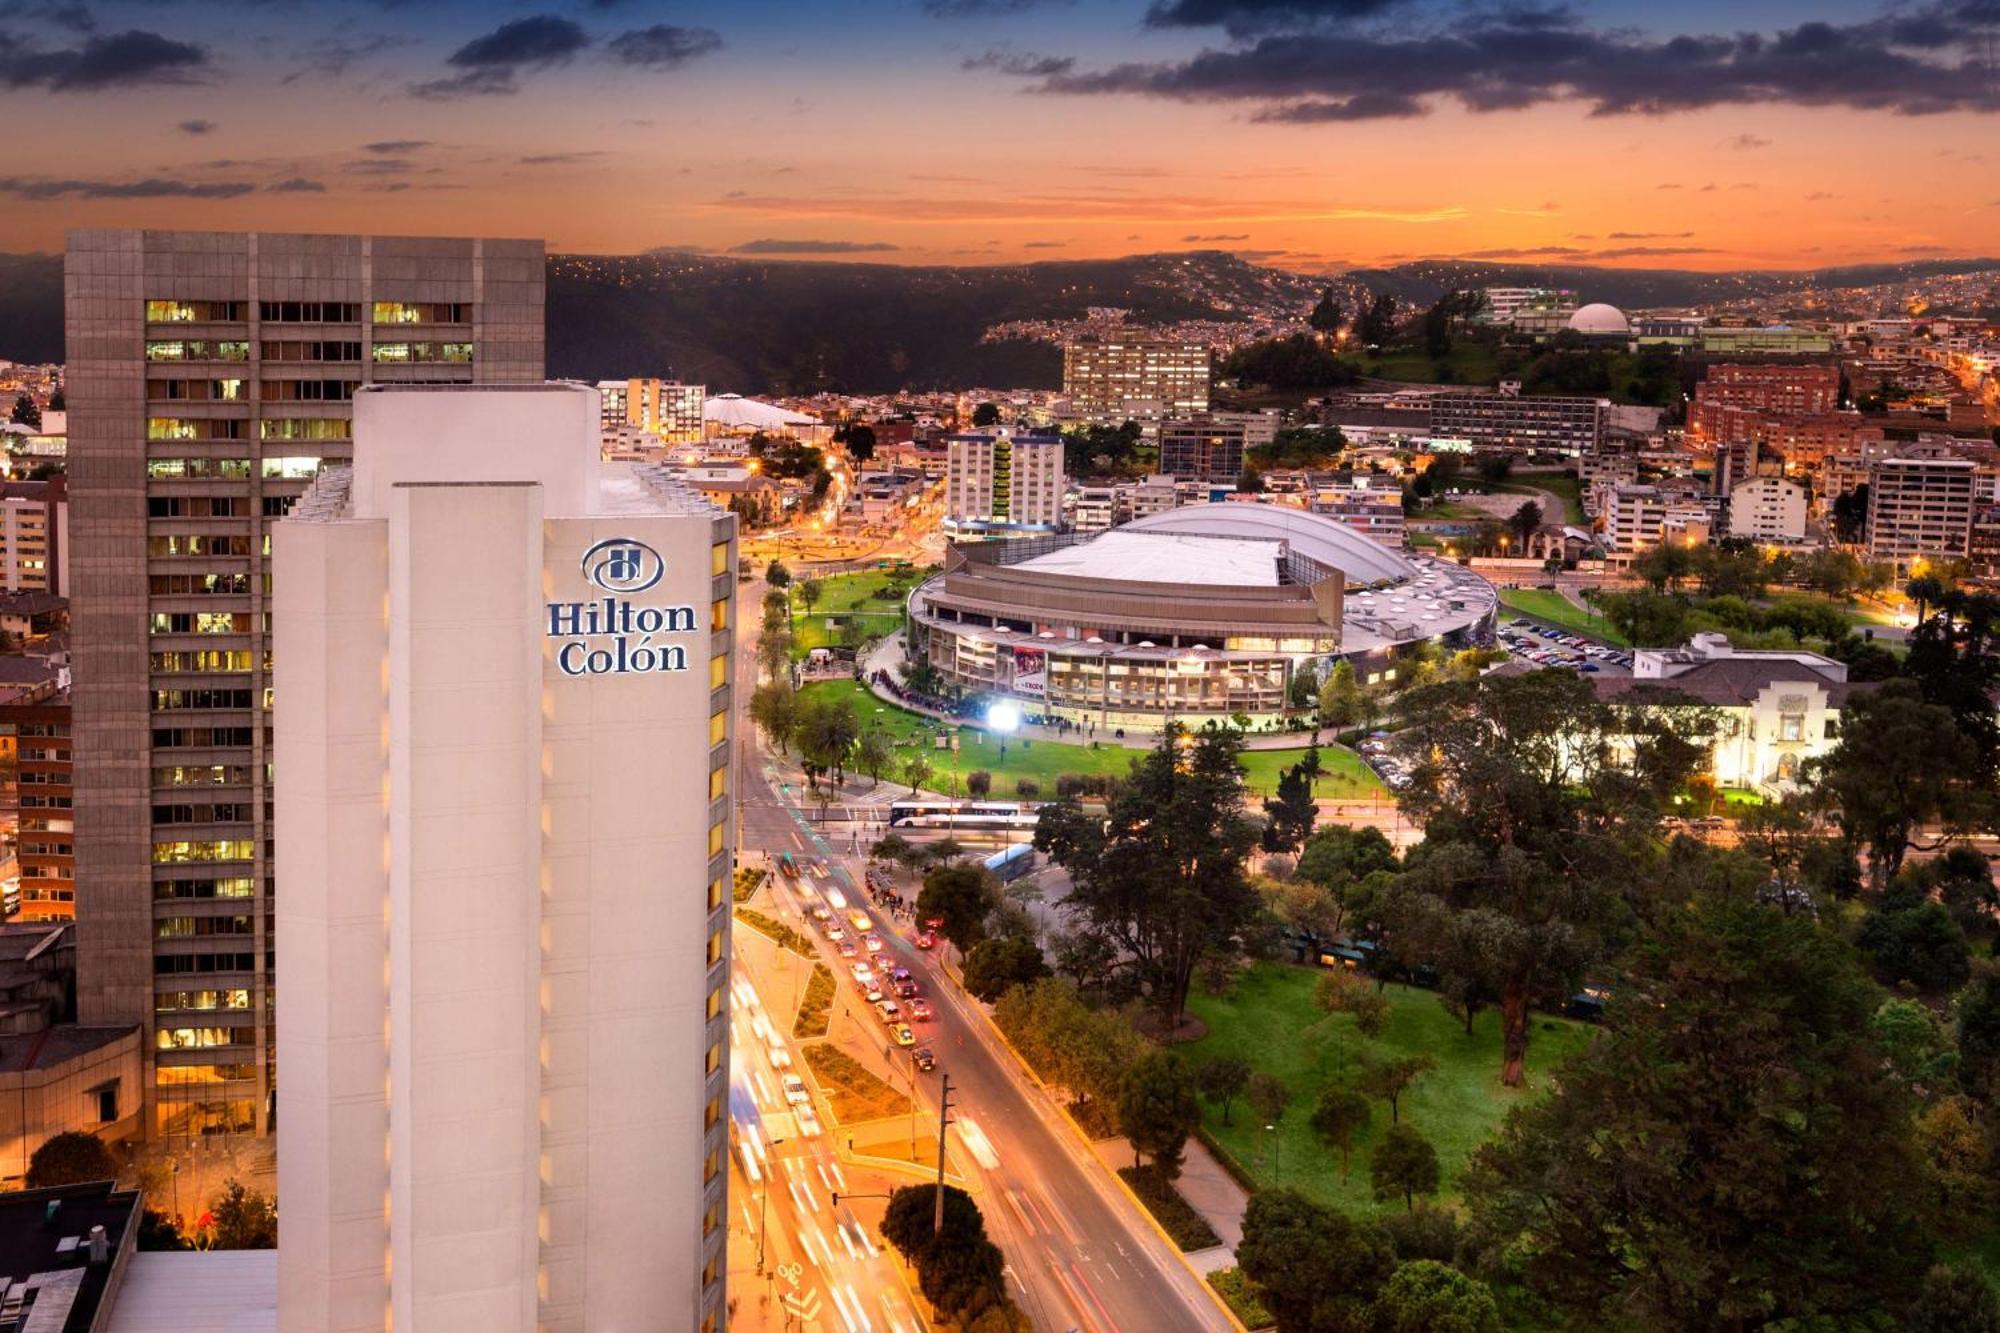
1188 1228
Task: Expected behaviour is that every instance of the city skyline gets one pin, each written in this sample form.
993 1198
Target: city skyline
1309 134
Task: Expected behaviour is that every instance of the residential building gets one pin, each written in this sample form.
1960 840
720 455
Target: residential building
1135 378
1203 449
1504 303
1096 508
612 406
210 377
1768 509
1002 479
1376 512
1920 508
1639 517
1776 711
34 536
36 737
1777 340
1785 389
504 839
667 409
1508 420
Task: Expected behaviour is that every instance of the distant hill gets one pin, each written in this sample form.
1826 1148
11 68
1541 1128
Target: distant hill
1423 281
762 326
31 308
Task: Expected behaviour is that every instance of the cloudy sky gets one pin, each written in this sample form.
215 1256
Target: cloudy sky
1313 133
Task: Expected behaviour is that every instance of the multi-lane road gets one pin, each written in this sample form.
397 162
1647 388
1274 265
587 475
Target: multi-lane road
1080 1254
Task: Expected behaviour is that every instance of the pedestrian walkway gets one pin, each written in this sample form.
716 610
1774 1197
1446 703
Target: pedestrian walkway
1209 1190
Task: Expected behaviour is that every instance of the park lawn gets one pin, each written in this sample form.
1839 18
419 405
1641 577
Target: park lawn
1554 609
1471 363
1560 484
1269 1020
1345 776
853 1090
841 593
810 632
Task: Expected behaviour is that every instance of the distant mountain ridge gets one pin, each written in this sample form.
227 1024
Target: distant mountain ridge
767 326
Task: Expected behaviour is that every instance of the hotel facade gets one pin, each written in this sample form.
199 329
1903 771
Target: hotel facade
502 728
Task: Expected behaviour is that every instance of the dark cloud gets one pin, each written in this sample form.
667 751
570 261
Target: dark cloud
556 159
394 147
489 63
297 185
1043 245
1290 64
1653 251
1021 64
1241 17
379 166
963 9
122 60
777 247
1193 240
153 187
196 127
543 39
1745 143
1536 252
77 18
1649 236
663 46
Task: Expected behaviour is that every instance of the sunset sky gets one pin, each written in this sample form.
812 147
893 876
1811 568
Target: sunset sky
1310 133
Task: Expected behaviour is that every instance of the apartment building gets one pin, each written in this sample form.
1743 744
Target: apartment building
1374 512
1135 379
1790 390
1508 420
1203 449
505 842
36 735
1768 509
1639 517
34 536
210 378
670 410
1920 508
1001 479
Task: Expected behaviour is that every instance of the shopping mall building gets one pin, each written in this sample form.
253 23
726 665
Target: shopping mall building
1207 611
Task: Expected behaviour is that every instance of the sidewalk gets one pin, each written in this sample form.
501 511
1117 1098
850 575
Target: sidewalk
1209 1190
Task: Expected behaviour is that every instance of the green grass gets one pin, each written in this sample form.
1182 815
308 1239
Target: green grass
1240 1294
856 1093
854 597
1269 1020
1176 1216
777 930
1345 776
1560 484
1471 363
815 1014
1555 609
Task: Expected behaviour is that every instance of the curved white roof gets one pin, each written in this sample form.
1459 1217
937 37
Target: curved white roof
1600 318
734 411
1315 536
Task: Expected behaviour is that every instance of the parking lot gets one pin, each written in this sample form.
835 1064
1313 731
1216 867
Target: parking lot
1550 646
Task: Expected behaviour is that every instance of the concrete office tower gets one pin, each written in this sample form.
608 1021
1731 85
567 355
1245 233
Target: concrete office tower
210 377
504 840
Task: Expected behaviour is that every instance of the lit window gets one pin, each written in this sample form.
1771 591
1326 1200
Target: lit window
715 839
718 558
718 728
713 1060
718 671
715 895
718 614
718 782
714 953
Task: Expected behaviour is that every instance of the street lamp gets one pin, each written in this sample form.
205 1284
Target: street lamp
764 1211
1004 718
1270 1133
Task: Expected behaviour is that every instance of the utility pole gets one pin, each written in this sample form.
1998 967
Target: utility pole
944 1118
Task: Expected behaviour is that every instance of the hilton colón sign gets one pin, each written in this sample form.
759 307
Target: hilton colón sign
613 636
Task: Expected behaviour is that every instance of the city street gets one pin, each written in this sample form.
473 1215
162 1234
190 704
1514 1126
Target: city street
1081 1254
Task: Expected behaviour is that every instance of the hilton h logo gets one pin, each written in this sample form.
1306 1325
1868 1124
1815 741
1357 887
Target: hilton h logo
622 565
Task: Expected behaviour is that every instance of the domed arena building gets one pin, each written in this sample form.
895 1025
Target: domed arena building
1207 611
1601 322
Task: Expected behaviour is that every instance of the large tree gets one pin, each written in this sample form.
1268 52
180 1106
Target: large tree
1404 1164
1341 1114
993 967
1316 1268
958 1268
1733 1150
960 898
1901 763
1163 876
1222 1080
1291 812
1426 1296
1536 798
70 1158
1157 1109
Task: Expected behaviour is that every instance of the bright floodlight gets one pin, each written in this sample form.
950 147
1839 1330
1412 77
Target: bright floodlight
1004 716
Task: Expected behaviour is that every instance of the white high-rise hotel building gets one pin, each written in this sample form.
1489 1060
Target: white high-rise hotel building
502 735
